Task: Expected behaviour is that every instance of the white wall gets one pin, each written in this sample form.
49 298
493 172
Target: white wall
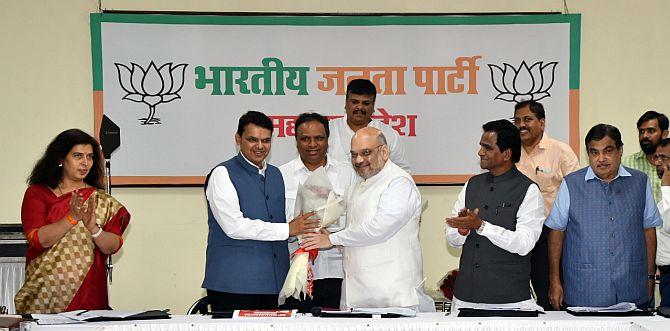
46 87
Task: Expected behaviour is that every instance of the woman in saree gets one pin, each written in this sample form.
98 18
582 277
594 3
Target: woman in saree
72 226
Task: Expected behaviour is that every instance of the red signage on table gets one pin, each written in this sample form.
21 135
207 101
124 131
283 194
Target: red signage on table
264 313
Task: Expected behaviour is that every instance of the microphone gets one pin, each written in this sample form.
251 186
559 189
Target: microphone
110 136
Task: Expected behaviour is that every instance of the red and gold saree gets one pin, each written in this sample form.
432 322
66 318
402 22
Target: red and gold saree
71 274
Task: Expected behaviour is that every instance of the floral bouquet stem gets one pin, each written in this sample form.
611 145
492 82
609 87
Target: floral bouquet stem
300 278
316 194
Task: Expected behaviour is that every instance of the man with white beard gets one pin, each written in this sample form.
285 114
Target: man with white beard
382 255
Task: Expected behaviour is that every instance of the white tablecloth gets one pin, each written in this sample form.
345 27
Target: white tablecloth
425 321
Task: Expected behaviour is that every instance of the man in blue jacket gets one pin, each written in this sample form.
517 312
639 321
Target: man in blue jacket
603 230
247 254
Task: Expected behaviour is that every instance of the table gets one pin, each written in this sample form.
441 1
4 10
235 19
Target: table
423 322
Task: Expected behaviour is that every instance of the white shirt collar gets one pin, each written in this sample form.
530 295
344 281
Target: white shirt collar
621 172
300 166
260 171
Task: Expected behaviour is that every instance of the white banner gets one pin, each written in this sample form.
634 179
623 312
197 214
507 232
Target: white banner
177 85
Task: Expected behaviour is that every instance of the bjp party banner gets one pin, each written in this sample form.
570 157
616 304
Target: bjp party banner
176 85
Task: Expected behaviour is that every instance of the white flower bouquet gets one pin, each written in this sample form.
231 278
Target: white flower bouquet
316 194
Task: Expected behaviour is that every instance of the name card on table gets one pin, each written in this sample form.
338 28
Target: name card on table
264 313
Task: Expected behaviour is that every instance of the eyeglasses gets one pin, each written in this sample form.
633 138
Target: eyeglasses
364 153
663 158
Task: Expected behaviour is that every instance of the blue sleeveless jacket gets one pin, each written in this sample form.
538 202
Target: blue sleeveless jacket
604 253
248 266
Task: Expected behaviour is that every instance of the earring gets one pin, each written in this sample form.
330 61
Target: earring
60 165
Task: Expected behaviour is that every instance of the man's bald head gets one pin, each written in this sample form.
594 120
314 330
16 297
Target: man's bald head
370 133
369 151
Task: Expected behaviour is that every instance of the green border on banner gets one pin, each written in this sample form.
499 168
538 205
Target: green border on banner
575 47
98 18
96 51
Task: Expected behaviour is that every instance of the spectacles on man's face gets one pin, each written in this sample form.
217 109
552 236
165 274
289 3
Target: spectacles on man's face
660 157
365 153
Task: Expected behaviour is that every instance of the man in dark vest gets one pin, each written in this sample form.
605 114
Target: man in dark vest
247 253
603 230
497 219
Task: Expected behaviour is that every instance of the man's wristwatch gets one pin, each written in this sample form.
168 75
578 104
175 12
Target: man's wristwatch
652 277
481 227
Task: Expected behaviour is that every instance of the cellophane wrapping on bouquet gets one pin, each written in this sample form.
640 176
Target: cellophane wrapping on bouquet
316 194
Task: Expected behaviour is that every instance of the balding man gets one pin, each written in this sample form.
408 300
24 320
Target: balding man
382 256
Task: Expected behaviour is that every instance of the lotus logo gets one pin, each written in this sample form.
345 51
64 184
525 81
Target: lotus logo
523 83
152 86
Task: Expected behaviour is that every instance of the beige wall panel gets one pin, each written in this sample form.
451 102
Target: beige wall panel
46 87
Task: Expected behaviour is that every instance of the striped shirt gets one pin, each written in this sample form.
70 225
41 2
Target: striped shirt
638 161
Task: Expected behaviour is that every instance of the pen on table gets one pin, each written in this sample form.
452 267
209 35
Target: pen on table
81 312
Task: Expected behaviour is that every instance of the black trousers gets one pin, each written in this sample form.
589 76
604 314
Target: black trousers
539 269
326 294
224 301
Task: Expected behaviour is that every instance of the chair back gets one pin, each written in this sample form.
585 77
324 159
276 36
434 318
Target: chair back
201 306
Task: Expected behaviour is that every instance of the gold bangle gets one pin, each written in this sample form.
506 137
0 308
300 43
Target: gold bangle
71 220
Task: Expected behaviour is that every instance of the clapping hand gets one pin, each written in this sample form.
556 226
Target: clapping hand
465 221
462 213
83 211
76 206
89 215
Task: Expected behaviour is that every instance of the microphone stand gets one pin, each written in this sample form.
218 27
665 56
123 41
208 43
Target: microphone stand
108 174
110 140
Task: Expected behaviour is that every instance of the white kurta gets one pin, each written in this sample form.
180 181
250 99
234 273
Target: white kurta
382 255
339 142
663 232
530 217
328 263
225 205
